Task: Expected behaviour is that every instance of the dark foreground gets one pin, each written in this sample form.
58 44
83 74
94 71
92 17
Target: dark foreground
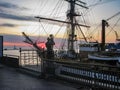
10 79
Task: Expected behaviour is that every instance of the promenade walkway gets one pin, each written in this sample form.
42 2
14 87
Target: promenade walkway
10 79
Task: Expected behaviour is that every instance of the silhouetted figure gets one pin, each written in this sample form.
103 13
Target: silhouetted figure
49 45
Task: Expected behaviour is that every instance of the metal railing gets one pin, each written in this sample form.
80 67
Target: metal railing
29 57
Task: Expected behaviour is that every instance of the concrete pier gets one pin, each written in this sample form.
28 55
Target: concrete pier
10 79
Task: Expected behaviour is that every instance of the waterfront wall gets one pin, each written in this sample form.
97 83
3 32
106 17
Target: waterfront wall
10 61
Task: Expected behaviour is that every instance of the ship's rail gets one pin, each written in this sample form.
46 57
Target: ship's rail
95 76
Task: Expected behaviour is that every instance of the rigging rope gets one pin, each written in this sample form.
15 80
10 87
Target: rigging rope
42 6
85 13
100 2
58 4
37 4
112 28
58 9
44 29
94 30
60 28
63 40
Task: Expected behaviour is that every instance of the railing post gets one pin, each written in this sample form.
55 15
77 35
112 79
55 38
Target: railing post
37 57
20 62
94 81
118 81
42 68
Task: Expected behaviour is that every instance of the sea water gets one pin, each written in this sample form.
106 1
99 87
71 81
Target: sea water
11 52
27 57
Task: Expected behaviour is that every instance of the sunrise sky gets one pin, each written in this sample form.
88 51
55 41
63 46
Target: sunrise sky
17 16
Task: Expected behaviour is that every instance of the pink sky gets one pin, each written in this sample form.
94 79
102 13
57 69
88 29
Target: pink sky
22 44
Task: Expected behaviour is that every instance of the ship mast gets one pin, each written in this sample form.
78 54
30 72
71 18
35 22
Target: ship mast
104 23
71 16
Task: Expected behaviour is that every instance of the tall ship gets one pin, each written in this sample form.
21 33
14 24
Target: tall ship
73 28
71 44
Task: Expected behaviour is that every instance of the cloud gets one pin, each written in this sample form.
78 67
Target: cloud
6 13
8 25
11 6
15 17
